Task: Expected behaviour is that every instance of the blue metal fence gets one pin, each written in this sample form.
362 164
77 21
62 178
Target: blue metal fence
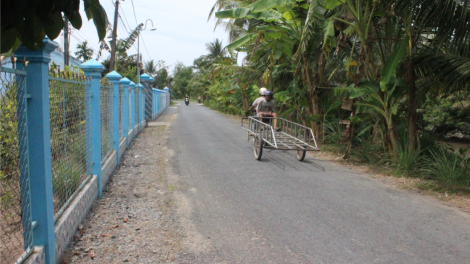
15 209
121 112
56 130
70 144
106 120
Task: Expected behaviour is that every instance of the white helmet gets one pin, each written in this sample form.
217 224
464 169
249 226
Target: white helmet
262 91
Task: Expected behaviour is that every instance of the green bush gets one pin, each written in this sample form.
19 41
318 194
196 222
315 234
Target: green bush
448 116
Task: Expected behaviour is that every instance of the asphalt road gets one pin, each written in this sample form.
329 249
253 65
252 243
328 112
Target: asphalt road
280 210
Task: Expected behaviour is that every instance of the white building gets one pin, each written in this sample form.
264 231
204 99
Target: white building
57 57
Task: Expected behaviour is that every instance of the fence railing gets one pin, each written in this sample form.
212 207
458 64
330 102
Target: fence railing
57 129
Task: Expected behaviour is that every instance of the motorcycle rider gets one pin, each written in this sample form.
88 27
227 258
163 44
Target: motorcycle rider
266 109
186 100
255 104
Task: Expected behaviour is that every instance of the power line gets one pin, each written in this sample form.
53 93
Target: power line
80 40
167 11
125 17
146 47
123 23
82 35
133 8
77 38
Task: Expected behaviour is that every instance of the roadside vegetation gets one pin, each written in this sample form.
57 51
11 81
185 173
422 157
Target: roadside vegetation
383 82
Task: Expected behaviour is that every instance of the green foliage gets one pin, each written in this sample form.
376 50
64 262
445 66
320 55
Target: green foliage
448 116
369 152
370 63
9 149
83 52
28 22
408 160
123 45
181 77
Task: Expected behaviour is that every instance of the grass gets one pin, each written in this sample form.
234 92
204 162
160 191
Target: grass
436 168
448 167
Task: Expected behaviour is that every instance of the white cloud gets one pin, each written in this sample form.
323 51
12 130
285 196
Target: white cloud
182 28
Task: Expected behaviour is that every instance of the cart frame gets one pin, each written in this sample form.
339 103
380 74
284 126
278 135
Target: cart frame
292 136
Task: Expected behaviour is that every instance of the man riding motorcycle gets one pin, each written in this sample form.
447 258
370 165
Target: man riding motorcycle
266 109
255 104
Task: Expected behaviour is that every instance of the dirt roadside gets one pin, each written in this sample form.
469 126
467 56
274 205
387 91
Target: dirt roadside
135 221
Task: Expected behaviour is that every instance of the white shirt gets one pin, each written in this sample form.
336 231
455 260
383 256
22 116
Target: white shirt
257 101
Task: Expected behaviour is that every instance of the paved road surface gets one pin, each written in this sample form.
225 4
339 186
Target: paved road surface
280 210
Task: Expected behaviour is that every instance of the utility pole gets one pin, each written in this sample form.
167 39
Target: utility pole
113 44
66 42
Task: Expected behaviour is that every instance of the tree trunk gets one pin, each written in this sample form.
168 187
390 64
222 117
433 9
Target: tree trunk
412 107
315 111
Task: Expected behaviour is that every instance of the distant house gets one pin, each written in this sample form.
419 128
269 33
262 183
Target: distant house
57 57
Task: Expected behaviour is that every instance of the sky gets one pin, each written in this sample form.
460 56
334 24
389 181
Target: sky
182 29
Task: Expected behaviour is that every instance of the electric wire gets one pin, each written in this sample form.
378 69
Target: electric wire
80 40
133 8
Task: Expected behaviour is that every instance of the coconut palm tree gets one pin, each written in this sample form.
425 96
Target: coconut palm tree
216 50
150 68
84 52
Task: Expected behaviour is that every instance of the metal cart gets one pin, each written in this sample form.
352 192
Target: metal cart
292 136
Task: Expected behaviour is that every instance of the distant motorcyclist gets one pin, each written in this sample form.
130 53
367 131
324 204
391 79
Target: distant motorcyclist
186 100
199 98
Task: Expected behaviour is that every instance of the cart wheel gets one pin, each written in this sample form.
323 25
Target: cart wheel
301 154
258 148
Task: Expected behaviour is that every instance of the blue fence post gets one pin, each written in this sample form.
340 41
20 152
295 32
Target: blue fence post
39 144
114 78
167 97
132 110
141 106
93 70
125 105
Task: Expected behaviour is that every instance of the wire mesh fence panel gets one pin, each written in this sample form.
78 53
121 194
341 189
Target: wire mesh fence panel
142 110
136 105
106 121
70 145
148 102
129 112
162 102
121 112
15 216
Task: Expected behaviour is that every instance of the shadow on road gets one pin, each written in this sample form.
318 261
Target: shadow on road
287 161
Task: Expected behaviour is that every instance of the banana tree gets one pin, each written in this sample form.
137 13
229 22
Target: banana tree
382 97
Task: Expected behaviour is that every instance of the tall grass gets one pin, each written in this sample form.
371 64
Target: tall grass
370 152
332 133
448 167
408 161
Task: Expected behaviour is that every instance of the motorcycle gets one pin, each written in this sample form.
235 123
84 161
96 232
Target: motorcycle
199 100
186 101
